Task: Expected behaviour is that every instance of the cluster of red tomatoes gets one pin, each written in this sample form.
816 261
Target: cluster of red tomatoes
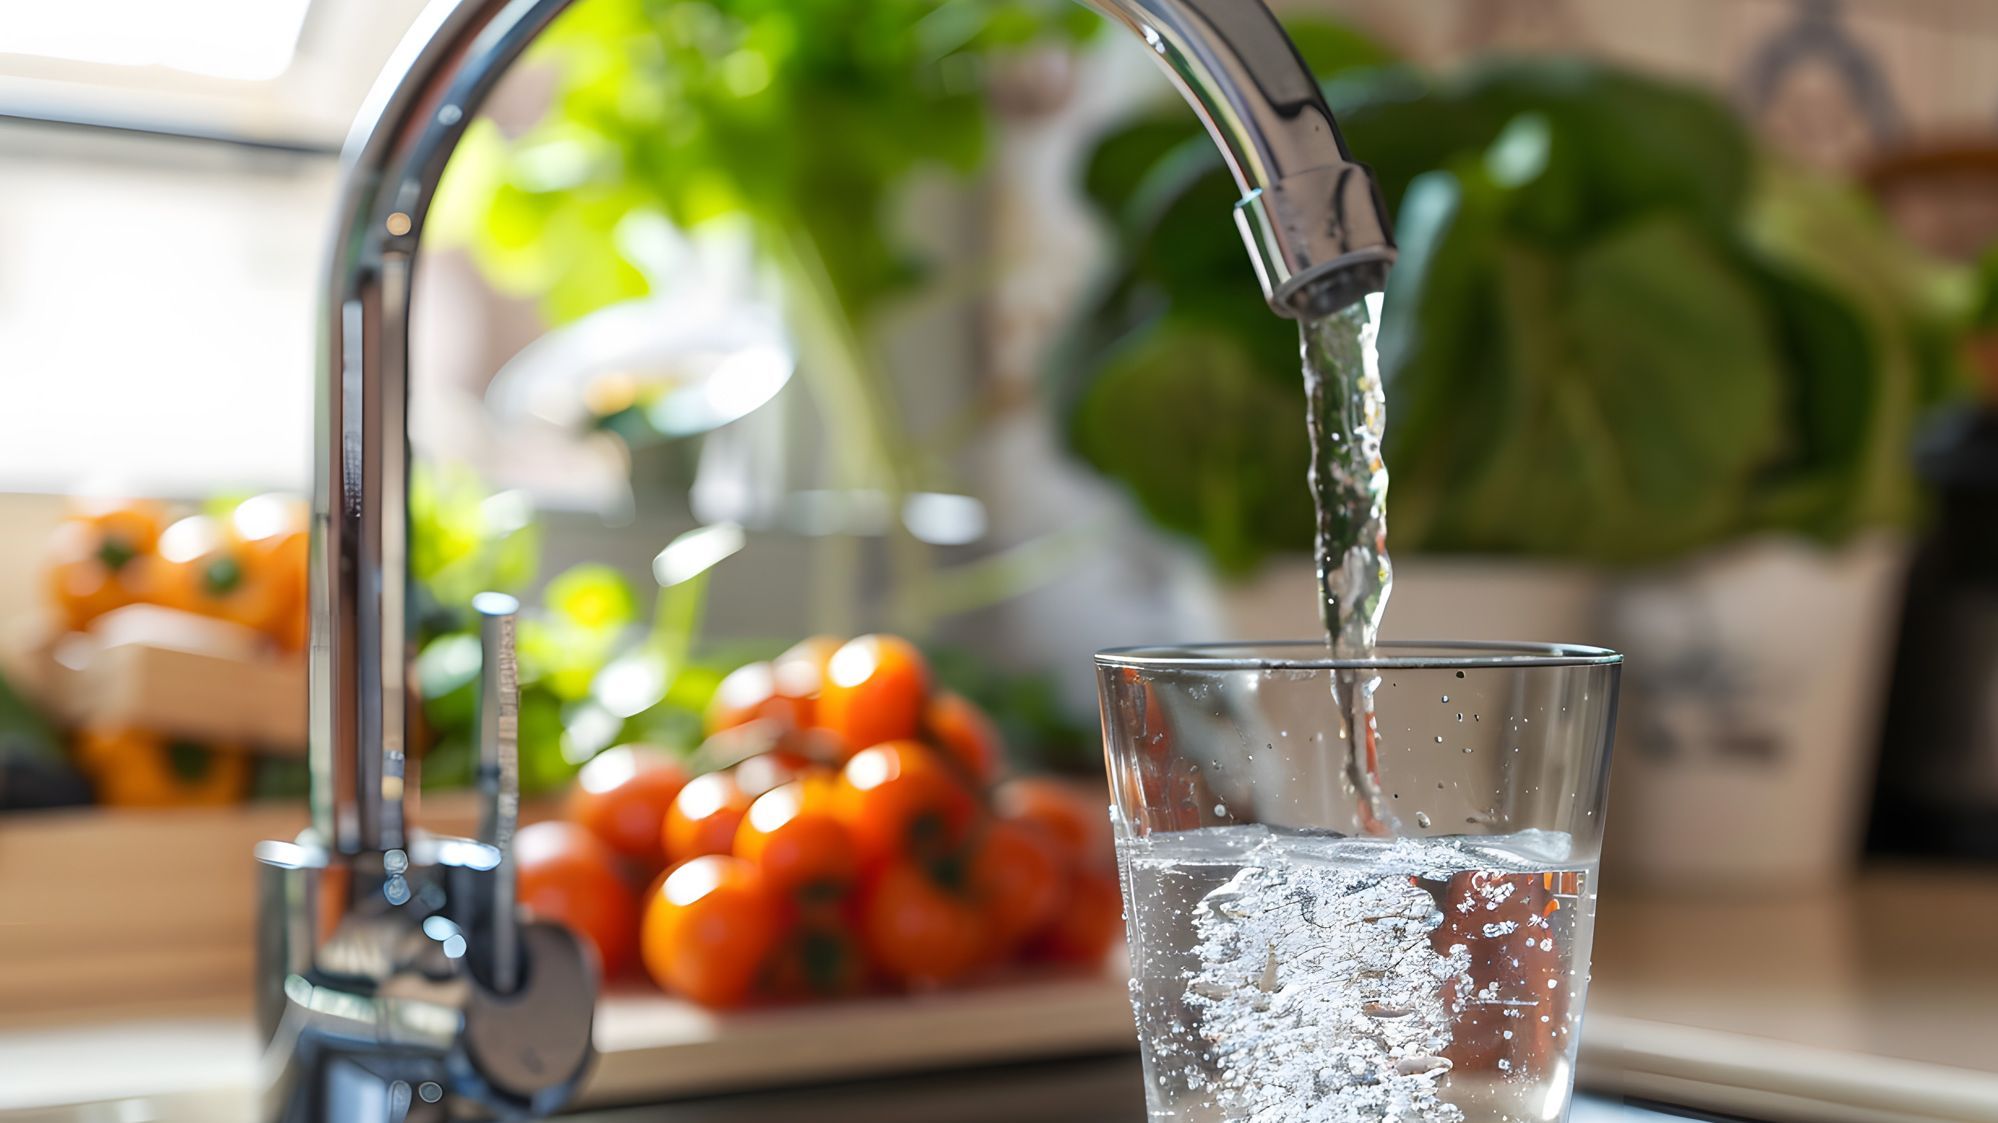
862 837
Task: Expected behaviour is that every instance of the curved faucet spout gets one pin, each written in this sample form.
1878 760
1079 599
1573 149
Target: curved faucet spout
1313 220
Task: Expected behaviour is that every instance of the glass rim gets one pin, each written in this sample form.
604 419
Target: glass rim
1311 655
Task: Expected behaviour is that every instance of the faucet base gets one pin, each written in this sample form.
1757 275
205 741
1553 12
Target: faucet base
376 1004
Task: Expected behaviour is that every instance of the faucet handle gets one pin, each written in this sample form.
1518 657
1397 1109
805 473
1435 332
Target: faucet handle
499 776
532 1047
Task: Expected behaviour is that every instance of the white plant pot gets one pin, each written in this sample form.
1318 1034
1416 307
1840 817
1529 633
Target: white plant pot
1750 700
1751 708
1433 599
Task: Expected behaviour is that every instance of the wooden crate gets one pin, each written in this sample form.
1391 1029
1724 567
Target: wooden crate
165 671
127 912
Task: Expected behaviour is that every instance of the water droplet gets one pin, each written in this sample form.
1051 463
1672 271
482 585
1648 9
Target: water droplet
1460 674
1553 984
1439 738
1467 750
1220 810
1446 697
1422 820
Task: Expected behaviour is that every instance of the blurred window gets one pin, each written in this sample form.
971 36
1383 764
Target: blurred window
166 177
243 39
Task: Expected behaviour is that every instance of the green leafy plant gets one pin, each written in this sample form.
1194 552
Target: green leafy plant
799 125
592 671
1617 333
802 121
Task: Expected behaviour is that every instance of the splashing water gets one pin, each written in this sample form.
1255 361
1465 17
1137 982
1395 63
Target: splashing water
1347 418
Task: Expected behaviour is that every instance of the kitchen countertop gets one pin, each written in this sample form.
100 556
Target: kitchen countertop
1874 1002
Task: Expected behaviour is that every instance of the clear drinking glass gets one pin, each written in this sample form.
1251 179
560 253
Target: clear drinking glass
1298 954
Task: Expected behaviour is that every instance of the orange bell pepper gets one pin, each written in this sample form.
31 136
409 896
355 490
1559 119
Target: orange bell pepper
206 569
274 529
101 558
134 768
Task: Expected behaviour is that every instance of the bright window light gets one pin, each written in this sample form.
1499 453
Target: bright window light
249 40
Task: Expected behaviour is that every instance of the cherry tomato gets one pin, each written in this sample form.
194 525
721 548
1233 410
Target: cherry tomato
915 931
819 958
1019 879
967 736
900 799
100 558
567 875
703 817
802 667
803 850
709 930
1072 815
622 796
818 748
764 771
753 692
1088 923
874 692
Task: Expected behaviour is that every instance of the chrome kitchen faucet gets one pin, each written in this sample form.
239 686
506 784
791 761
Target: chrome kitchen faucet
394 977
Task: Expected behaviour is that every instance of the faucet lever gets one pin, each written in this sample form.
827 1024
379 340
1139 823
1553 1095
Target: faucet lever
499 777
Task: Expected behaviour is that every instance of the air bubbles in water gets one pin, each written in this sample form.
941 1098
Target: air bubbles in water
1422 820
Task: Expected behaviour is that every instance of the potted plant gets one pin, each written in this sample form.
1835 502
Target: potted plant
1647 387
